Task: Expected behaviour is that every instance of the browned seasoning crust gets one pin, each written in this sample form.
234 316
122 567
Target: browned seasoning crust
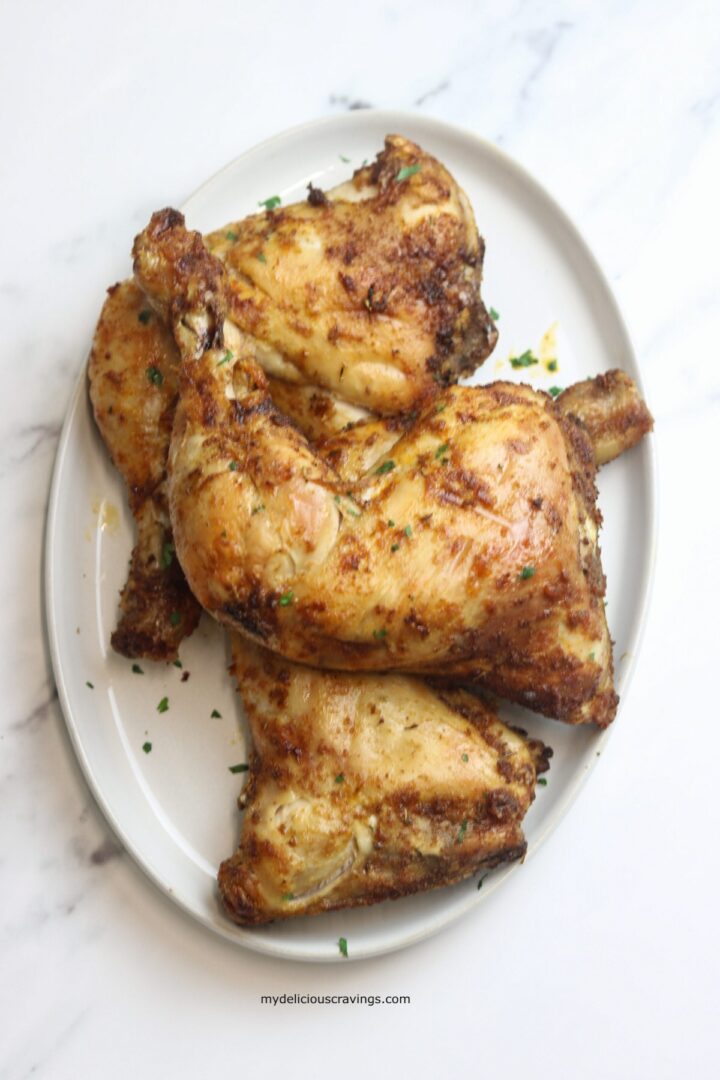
368 787
611 410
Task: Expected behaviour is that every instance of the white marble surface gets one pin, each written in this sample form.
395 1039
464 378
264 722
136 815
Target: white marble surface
601 958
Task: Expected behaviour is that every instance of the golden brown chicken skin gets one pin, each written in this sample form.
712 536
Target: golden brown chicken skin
611 411
133 376
368 787
472 550
371 291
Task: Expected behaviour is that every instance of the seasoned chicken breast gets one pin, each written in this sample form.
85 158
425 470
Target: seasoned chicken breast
368 787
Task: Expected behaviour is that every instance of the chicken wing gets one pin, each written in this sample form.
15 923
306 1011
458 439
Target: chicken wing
472 550
371 291
368 787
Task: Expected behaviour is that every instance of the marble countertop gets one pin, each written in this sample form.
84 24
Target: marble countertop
601 959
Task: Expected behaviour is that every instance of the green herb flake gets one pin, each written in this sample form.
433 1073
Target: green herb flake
386 467
163 705
407 171
441 407
526 572
167 555
270 203
155 376
287 598
461 832
480 882
230 235
465 757
137 670
555 391
552 365
391 523
145 316
442 450
238 768
261 257
408 531
287 897
591 657
257 509
177 663
147 747
345 159
91 686
175 618
228 356
526 359
394 547
340 778
542 781
379 634
494 314
342 946
233 466
216 715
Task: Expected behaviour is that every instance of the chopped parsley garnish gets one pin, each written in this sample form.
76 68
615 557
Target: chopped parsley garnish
408 531
379 634
441 407
552 365
591 657
233 466
480 882
494 314
340 778
386 467
526 572
257 509
228 356
137 670
542 781
555 391
155 376
163 705
270 203
465 757
166 556
461 832
391 522
394 547
286 896
147 747
342 946
177 663
442 450
90 685
287 598
238 768
230 235
261 257
345 159
408 170
145 316
174 618
526 359
216 715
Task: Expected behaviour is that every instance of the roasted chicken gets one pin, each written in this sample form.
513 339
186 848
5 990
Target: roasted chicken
471 551
368 787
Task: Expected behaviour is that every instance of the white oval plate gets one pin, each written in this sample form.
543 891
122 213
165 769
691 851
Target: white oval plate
174 808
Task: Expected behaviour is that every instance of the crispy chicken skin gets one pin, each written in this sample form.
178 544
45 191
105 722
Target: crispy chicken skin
133 376
612 412
471 551
371 291
368 787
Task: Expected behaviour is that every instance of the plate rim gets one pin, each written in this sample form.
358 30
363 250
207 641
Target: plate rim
238 935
